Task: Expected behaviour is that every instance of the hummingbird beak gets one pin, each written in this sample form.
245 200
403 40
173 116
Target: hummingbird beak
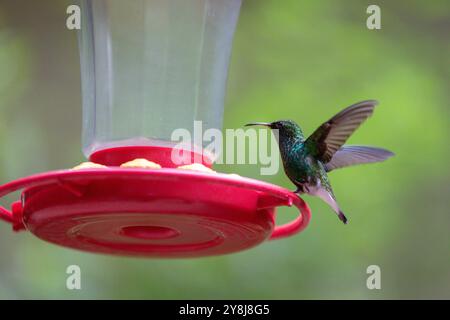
266 124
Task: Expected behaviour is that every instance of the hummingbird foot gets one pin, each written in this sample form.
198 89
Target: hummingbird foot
298 190
301 189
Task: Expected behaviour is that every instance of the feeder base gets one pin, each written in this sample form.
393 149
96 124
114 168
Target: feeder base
152 213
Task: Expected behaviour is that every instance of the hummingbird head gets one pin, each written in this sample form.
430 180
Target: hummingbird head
286 128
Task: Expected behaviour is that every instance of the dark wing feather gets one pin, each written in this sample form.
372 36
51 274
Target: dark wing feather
331 135
353 155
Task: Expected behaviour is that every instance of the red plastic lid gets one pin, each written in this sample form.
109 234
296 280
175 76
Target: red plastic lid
155 213
161 155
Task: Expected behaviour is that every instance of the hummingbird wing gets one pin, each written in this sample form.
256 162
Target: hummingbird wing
353 155
331 135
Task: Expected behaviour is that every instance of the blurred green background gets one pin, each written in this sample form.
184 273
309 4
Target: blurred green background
298 59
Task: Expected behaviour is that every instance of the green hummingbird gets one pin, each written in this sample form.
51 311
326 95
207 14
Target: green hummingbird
307 161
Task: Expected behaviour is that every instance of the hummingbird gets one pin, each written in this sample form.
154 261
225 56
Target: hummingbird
307 161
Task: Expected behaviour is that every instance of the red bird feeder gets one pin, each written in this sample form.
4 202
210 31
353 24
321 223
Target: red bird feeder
148 68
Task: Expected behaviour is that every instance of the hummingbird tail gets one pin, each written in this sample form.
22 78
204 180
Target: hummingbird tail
342 217
328 197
